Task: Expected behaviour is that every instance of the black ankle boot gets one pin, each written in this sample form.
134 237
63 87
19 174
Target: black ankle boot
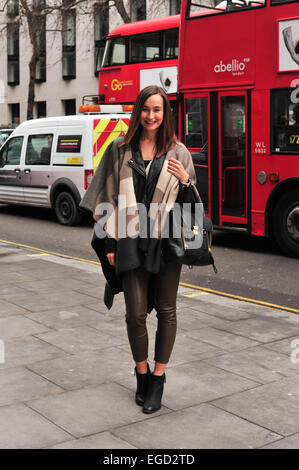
154 395
142 386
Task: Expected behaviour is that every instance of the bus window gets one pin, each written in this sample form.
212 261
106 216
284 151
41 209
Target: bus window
145 47
285 122
203 7
197 143
174 108
107 53
277 2
115 52
196 125
171 44
118 53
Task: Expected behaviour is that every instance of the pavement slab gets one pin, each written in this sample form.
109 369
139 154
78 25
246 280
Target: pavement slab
223 339
115 326
197 382
23 428
223 311
264 329
8 308
38 302
186 348
96 292
291 442
88 368
80 339
197 427
18 325
257 364
7 291
54 285
274 406
26 350
91 410
103 440
18 384
94 279
116 311
68 317
191 319
285 346
13 277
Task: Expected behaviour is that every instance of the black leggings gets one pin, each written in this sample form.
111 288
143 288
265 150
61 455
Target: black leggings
136 284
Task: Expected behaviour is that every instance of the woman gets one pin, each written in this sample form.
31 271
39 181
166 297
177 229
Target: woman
150 167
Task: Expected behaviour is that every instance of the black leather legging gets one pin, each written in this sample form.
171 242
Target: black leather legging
136 284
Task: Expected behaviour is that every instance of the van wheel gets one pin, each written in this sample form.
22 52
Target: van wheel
285 223
66 209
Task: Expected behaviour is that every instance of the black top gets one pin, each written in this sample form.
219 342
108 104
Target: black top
144 188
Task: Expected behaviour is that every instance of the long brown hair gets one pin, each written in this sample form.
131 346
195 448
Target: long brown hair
165 137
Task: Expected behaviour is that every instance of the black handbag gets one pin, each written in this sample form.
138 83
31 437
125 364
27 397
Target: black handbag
194 247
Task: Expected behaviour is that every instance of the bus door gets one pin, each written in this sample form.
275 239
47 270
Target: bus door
232 132
197 141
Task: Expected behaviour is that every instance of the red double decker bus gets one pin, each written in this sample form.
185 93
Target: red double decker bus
137 55
239 87
238 95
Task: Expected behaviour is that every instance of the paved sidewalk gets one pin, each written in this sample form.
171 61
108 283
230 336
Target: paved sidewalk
66 371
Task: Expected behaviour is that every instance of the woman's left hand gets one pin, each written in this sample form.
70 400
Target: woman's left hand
176 169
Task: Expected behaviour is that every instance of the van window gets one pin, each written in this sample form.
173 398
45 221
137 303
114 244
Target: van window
10 153
4 134
38 150
69 144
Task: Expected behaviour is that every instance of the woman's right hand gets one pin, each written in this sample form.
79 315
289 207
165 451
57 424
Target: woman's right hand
111 258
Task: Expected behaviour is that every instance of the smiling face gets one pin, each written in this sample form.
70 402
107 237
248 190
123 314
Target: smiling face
152 113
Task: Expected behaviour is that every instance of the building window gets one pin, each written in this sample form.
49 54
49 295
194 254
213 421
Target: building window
15 113
40 70
12 7
174 7
101 30
138 10
13 57
69 44
39 4
69 107
41 109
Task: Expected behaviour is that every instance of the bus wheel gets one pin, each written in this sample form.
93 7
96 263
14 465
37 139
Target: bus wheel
285 223
66 209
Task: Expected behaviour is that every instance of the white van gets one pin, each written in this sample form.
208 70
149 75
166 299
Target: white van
50 162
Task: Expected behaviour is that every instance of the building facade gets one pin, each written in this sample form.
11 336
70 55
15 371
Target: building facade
71 44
